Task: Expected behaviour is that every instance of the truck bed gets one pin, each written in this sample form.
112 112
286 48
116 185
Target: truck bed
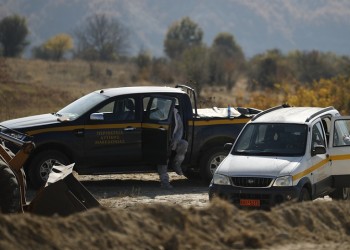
216 112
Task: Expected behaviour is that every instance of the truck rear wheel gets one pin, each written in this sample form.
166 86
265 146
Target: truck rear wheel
210 161
10 198
340 194
41 166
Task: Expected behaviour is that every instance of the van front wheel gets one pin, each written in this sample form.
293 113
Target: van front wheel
304 195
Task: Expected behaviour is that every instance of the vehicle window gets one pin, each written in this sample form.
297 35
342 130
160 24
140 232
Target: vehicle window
326 121
317 135
119 110
272 139
159 109
341 135
107 108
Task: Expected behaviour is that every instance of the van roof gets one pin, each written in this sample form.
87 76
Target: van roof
292 114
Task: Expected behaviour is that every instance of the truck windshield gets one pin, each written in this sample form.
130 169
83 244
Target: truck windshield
268 139
77 108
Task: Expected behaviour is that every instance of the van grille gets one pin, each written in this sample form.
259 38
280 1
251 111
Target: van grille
251 181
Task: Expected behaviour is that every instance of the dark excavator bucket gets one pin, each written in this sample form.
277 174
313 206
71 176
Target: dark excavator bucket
63 194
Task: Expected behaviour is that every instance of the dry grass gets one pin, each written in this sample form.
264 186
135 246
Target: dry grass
35 86
29 87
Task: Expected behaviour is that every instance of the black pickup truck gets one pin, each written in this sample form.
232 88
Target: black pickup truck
113 131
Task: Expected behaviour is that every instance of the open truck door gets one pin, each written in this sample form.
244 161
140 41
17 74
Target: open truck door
156 129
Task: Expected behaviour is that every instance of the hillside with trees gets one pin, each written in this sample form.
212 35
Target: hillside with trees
220 72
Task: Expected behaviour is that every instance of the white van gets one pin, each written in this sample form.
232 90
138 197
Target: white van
286 153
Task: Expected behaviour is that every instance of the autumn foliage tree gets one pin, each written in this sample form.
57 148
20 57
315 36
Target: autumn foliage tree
54 48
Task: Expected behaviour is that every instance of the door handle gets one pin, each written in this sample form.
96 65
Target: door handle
79 132
129 129
162 128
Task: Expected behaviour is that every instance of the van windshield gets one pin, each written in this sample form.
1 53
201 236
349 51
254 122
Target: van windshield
268 139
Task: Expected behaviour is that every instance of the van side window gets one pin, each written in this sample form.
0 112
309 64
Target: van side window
341 135
317 135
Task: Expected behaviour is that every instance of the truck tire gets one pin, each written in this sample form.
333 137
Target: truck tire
210 160
340 194
10 197
304 195
41 165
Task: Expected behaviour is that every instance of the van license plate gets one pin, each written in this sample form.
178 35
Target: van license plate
249 203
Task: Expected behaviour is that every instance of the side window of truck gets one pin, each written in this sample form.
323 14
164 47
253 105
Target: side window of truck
119 110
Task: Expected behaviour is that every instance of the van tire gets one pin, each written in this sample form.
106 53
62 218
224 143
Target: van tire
41 165
10 196
304 195
340 194
210 161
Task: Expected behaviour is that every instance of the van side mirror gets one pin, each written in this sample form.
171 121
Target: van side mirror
318 150
228 146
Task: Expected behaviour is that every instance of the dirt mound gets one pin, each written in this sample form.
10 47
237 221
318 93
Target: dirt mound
218 226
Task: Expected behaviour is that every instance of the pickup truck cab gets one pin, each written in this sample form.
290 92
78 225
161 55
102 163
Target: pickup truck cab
286 153
114 131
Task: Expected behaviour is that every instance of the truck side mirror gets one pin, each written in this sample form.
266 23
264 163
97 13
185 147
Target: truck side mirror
318 150
96 117
228 146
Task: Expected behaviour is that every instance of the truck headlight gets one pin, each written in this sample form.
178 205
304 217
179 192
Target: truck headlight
284 181
220 179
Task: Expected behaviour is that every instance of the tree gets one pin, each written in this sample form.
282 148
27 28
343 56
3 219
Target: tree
54 48
101 39
181 36
314 65
194 65
226 60
13 33
267 69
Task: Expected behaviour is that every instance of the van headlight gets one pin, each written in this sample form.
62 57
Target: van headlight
220 179
284 181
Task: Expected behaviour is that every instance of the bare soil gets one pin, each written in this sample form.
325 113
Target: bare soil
137 214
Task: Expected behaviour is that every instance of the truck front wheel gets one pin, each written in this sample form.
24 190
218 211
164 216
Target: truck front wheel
10 198
210 160
41 165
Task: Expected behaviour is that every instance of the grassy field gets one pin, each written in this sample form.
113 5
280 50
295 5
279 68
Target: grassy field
29 87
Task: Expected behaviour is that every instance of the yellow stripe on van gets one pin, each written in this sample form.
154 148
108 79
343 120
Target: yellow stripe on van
309 170
340 157
320 164
218 122
71 128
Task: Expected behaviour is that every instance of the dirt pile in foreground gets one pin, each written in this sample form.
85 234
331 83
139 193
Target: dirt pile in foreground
219 226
